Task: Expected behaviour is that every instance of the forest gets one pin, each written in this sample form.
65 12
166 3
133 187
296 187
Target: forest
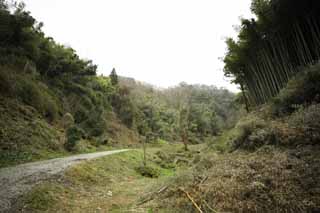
75 140
274 47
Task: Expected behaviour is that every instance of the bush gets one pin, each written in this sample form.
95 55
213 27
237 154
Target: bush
148 171
303 89
25 87
81 114
74 135
248 132
96 124
36 95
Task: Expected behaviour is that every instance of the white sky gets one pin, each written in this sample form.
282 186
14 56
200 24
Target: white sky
162 42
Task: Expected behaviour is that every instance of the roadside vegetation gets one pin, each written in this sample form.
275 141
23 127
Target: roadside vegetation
111 184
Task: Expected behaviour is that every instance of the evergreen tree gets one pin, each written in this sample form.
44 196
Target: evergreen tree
114 77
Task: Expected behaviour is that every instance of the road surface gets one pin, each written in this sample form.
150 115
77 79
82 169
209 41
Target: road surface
15 181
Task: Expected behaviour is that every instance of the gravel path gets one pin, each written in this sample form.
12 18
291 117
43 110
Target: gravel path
15 181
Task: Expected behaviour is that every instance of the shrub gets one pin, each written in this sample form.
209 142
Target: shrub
246 129
148 171
96 124
50 108
36 95
303 89
74 135
81 114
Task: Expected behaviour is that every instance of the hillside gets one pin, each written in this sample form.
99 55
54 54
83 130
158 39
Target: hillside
186 148
53 103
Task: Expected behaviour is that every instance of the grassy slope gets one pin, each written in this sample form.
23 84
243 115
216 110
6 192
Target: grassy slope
25 136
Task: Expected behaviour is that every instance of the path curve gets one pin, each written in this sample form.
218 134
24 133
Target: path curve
15 181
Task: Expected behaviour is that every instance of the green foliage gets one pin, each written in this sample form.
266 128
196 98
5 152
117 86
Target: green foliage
95 125
36 95
24 134
63 90
29 91
161 142
273 47
74 135
123 105
252 133
200 111
21 39
303 89
114 77
148 171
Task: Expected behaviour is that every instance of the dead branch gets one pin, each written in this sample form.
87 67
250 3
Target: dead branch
192 200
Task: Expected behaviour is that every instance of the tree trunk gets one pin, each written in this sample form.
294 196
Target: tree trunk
245 98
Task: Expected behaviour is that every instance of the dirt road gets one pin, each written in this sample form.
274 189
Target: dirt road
15 181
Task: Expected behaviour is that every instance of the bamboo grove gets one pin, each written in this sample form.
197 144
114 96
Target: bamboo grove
284 38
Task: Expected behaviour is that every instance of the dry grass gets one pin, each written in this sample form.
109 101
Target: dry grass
268 180
275 168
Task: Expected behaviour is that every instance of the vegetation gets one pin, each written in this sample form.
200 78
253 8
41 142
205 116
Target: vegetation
267 160
266 163
197 111
103 181
49 85
273 47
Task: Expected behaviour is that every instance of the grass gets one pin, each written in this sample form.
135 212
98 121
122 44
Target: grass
266 180
87 187
269 180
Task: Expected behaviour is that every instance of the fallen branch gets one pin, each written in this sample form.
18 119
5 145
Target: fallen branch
192 200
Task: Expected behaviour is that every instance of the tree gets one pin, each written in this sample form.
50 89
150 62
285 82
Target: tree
184 127
272 48
114 77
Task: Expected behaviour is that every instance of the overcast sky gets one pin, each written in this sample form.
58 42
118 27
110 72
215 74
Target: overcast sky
162 42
